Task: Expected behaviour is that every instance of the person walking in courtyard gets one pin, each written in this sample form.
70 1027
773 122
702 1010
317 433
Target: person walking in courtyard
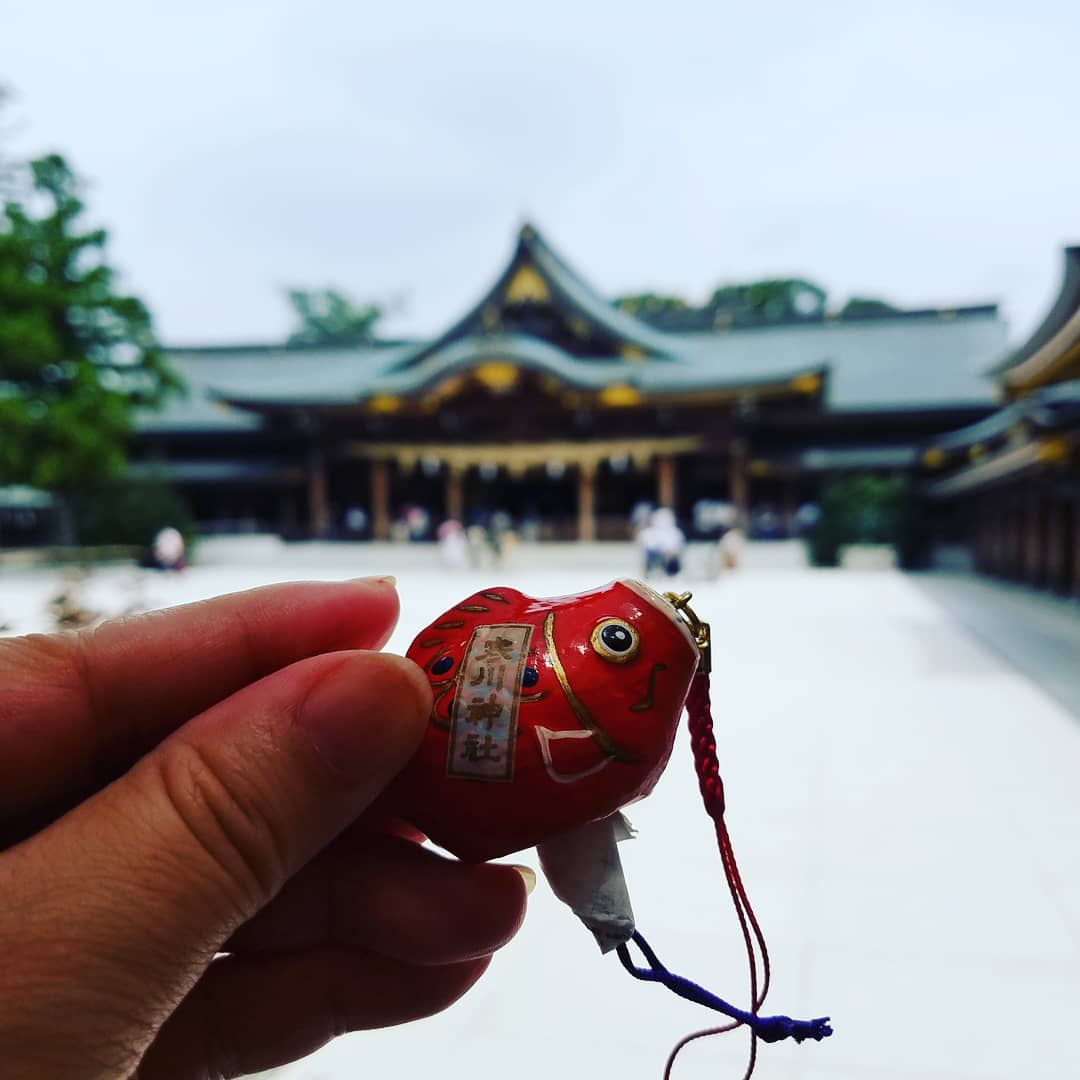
662 542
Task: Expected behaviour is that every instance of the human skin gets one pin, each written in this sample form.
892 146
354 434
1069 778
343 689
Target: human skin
188 884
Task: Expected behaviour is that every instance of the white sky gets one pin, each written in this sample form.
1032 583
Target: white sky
926 152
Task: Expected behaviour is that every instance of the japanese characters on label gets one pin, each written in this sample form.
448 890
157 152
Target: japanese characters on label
484 720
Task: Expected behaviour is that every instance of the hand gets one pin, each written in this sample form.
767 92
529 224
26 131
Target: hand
184 784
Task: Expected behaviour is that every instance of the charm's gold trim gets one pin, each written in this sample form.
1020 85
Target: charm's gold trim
702 634
646 702
579 708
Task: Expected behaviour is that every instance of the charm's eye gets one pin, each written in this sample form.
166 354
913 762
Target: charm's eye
615 641
442 665
529 677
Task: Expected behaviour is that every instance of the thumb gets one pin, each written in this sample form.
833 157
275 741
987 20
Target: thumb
137 888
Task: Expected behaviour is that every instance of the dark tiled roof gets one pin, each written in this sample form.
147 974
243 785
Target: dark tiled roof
1051 409
927 360
1062 310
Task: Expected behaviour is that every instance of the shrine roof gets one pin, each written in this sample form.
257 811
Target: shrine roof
1050 409
1052 352
922 361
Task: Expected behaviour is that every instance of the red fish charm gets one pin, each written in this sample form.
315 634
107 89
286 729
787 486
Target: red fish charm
548 714
548 717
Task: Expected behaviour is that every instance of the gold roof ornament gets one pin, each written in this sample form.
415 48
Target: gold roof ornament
631 352
619 395
498 376
934 458
383 404
807 383
527 287
976 451
1054 451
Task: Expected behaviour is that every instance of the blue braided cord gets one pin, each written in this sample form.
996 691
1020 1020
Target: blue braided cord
767 1028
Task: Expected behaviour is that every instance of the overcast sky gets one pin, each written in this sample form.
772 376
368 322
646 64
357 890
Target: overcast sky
926 152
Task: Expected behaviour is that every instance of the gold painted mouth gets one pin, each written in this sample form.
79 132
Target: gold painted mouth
579 708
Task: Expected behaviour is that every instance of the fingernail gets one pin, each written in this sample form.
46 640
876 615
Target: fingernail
528 875
365 717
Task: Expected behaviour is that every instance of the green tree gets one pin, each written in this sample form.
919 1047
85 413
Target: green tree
866 307
326 317
771 301
865 508
76 357
653 304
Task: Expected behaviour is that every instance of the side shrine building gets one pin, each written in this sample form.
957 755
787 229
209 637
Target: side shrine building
1012 480
549 403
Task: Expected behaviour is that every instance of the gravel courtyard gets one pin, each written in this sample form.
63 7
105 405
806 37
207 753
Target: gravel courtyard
905 804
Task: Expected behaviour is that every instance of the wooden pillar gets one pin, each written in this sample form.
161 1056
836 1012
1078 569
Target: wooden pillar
1013 539
586 502
455 493
738 483
791 506
380 500
1073 544
998 548
1032 563
665 481
318 512
1054 557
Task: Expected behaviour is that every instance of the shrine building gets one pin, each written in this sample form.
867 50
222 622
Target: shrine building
549 402
1011 481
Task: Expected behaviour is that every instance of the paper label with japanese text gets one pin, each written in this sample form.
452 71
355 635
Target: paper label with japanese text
484 720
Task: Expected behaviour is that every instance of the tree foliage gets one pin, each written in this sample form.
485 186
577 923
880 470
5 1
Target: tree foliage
76 357
327 317
771 301
866 307
867 508
129 511
650 304
754 303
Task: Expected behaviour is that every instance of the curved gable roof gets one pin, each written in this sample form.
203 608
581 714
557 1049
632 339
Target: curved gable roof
1055 337
569 292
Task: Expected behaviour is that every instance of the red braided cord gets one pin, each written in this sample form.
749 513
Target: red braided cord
703 742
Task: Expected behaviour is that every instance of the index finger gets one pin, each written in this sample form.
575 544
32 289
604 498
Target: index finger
77 708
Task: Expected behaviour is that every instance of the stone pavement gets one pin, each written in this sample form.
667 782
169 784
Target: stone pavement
905 804
1036 632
